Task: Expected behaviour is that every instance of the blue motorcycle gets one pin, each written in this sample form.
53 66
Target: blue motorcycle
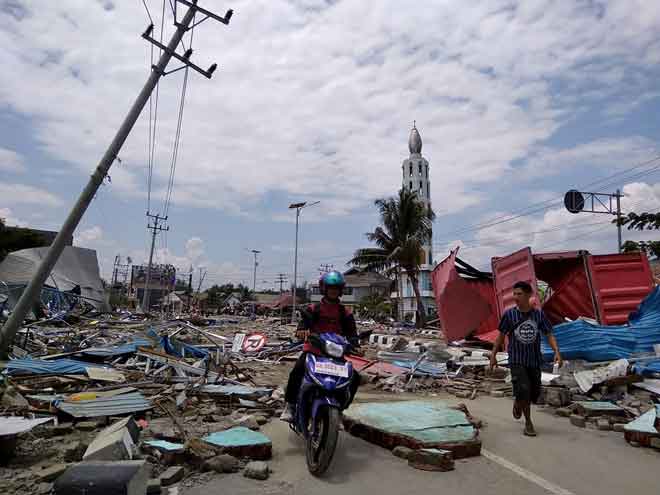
323 395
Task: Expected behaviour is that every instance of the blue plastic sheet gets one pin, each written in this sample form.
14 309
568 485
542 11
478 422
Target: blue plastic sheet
647 368
581 340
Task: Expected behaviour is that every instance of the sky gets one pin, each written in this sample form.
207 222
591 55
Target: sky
313 100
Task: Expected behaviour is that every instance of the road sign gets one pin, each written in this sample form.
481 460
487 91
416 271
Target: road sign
254 342
574 201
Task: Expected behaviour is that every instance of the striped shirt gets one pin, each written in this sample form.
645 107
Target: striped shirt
523 330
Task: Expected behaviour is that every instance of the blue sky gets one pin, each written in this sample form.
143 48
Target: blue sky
516 102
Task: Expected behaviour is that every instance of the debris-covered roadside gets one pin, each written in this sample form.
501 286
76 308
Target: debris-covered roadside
155 402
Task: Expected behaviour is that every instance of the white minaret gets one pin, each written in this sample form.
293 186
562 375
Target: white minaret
415 170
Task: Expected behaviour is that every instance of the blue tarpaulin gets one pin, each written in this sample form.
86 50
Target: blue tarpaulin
581 340
647 368
179 349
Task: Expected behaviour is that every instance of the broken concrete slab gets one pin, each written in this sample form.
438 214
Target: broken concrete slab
618 427
564 412
603 425
431 460
655 443
172 475
599 408
104 478
257 470
241 442
644 428
51 473
110 446
436 425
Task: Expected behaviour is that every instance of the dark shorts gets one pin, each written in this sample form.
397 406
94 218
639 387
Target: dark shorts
526 383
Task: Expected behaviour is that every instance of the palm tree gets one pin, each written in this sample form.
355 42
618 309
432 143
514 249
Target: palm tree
406 227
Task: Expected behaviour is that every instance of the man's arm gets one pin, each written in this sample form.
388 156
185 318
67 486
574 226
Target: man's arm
305 324
555 347
499 341
546 328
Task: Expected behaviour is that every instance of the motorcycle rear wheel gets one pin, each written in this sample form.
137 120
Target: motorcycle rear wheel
321 448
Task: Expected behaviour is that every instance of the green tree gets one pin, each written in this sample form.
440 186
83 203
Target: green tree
375 306
406 227
641 221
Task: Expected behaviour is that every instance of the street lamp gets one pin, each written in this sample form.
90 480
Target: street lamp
298 207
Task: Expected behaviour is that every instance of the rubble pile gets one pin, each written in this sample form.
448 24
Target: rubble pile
160 402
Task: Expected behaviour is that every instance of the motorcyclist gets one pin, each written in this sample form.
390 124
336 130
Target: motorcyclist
328 316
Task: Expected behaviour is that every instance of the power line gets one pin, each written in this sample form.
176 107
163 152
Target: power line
147 9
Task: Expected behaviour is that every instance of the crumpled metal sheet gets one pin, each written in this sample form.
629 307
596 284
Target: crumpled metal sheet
14 425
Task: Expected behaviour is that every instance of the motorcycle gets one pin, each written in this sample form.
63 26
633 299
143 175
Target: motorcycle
323 395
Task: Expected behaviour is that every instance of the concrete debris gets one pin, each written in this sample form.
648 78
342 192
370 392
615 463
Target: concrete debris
579 421
51 473
257 470
172 475
223 463
431 460
102 478
402 452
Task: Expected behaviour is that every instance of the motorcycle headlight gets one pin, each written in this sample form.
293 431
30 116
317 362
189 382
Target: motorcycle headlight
334 350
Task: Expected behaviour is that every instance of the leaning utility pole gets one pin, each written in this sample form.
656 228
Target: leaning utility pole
155 228
45 267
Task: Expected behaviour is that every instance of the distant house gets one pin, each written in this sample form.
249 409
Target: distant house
359 284
264 299
233 299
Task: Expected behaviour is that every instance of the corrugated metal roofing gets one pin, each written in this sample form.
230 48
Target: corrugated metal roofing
41 367
105 406
117 350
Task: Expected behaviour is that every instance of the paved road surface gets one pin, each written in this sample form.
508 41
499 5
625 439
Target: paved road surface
562 460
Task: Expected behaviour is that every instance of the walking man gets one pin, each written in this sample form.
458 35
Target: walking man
523 326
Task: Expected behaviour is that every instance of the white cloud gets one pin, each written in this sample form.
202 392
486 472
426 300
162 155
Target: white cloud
7 215
13 194
607 154
89 236
554 230
316 99
10 161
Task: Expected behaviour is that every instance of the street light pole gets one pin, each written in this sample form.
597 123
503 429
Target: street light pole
298 207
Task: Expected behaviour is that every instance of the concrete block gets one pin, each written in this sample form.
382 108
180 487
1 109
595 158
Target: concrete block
113 446
564 412
153 487
51 473
257 470
603 425
655 443
497 393
87 425
402 452
104 478
223 463
74 451
578 421
62 429
128 423
432 460
463 394
618 427
172 475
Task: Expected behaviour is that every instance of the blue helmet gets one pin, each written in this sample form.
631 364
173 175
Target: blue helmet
332 279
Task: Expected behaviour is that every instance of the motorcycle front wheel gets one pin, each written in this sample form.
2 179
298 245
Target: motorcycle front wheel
321 446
